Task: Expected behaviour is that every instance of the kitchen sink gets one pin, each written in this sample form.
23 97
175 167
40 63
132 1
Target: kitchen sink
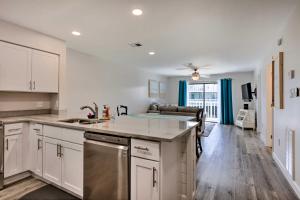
82 121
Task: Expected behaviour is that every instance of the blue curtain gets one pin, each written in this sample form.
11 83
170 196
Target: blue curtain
182 96
226 102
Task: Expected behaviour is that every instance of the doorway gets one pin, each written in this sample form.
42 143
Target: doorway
204 95
270 103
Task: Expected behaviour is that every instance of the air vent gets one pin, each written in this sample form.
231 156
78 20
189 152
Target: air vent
135 44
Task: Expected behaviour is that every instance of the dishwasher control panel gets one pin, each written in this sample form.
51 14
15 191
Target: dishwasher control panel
106 138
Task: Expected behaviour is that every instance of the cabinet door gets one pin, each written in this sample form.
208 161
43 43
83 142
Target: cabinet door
51 160
12 155
38 155
72 167
15 67
44 72
144 179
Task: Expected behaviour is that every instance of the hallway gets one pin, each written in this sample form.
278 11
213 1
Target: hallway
236 165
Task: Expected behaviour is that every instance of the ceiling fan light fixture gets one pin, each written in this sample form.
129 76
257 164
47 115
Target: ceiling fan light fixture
195 76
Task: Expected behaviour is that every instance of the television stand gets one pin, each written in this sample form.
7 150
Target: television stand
245 119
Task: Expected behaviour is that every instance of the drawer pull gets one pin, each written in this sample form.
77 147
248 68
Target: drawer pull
14 129
141 148
37 129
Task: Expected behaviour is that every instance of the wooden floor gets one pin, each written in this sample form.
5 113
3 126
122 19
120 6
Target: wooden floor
19 189
236 165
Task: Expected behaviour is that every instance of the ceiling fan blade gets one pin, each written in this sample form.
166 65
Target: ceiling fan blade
204 75
190 65
183 68
205 66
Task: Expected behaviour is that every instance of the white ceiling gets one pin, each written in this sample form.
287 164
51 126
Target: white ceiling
231 35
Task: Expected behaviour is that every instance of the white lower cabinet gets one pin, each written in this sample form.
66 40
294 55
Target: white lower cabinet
38 155
51 160
12 155
36 134
72 167
63 164
144 179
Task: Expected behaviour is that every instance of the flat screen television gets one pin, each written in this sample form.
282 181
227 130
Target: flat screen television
247 92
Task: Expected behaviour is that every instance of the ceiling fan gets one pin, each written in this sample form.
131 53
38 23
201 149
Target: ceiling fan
195 68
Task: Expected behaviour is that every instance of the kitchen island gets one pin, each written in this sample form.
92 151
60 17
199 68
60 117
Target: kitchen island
162 152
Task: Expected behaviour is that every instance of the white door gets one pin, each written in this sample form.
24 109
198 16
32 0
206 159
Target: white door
72 167
270 104
15 67
51 160
44 72
38 155
144 179
12 155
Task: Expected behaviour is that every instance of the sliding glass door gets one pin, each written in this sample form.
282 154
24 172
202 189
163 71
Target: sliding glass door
204 95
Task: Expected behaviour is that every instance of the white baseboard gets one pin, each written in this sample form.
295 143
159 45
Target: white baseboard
286 174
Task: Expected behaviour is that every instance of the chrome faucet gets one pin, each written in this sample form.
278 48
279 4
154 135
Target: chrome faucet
94 111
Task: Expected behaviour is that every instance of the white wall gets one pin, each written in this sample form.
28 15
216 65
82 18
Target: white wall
90 79
290 115
237 80
22 36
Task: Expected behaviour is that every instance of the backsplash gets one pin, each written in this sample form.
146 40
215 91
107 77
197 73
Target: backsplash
13 103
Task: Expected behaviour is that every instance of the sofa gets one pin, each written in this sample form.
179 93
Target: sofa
176 110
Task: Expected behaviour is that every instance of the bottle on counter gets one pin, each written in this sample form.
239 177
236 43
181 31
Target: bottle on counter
106 112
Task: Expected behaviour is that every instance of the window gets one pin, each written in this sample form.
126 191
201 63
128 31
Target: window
204 95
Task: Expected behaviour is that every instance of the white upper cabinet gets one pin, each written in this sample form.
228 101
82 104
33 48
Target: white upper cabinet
44 72
15 67
26 70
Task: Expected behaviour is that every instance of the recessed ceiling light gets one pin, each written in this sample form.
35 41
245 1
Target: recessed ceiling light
151 53
137 12
76 33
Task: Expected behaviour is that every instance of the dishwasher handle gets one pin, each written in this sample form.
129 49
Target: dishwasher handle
110 145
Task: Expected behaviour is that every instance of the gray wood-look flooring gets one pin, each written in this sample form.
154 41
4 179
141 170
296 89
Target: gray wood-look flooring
236 165
19 189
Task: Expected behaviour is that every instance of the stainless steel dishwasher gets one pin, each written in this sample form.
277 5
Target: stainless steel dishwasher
106 167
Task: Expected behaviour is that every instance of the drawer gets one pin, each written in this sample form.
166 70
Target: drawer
37 129
69 135
13 129
145 149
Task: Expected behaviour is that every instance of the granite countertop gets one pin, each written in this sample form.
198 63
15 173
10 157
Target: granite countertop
127 126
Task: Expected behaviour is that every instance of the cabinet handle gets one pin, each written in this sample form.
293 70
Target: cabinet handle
14 129
154 177
34 85
7 144
141 148
39 142
57 150
60 150
30 85
37 129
